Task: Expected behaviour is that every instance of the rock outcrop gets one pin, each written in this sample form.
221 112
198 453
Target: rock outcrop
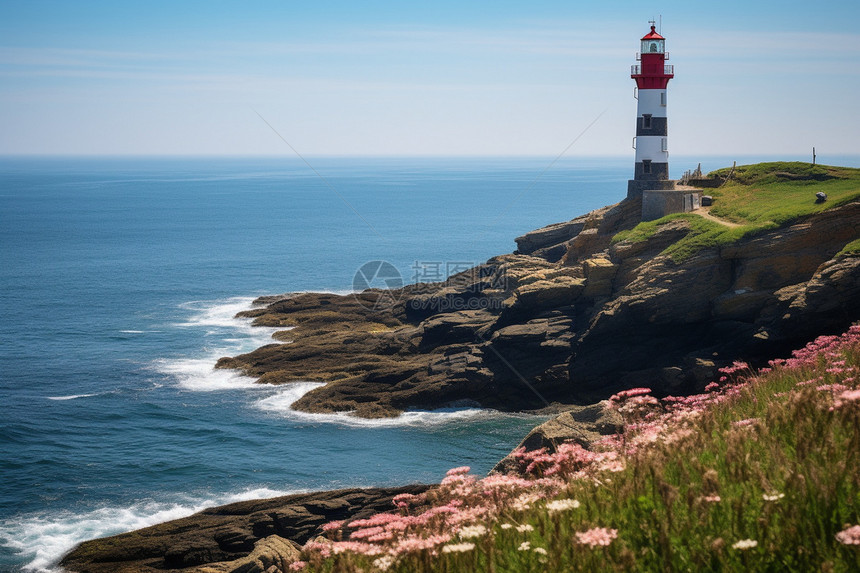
583 425
259 536
568 319
537 327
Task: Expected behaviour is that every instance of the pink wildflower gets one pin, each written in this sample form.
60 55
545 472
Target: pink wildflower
365 533
298 565
374 520
735 367
596 536
355 547
745 423
850 395
849 536
404 500
331 525
421 543
458 471
321 547
832 388
627 394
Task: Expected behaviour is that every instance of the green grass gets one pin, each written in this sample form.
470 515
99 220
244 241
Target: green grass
772 461
758 198
703 233
781 192
851 249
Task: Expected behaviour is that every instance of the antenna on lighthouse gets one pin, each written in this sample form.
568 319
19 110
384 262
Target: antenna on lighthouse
660 29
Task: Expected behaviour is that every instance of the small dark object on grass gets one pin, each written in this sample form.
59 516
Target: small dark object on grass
707 200
820 197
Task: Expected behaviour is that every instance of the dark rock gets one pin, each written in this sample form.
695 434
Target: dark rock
609 315
245 536
458 326
514 334
580 424
549 237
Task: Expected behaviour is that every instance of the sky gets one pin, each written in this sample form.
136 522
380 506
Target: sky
439 78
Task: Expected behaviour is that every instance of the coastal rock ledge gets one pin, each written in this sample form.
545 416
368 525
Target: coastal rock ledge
570 318
259 536
573 316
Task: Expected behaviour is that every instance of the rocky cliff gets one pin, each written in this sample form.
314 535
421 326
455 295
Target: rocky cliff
570 318
573 316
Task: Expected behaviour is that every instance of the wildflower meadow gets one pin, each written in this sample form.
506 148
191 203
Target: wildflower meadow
759 473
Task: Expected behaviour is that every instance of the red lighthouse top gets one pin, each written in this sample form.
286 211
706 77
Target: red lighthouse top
652 73
653 35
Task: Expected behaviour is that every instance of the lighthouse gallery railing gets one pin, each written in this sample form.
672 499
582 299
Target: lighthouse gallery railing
636 70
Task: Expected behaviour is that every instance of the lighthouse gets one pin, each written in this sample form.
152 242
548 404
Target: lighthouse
652 77
651 181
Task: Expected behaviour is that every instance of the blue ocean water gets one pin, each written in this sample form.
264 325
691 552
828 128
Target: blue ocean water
120 279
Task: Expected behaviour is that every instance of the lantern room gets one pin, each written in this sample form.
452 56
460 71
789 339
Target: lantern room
653 43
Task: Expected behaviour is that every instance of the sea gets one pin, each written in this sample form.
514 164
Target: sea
120 280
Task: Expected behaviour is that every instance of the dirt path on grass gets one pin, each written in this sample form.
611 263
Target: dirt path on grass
706 213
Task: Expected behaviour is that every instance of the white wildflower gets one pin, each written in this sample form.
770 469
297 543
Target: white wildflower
472 531
525 528
744 544
384 562
458 547
562 505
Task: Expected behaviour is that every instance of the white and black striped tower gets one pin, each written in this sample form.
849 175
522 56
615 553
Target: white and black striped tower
652 75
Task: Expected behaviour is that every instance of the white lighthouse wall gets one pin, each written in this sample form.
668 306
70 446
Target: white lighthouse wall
651 101
651 147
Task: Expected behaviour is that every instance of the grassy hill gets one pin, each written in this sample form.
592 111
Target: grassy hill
756 198
762 473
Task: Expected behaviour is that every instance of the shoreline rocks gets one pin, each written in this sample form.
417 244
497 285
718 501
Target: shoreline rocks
522 331
556 327
247 536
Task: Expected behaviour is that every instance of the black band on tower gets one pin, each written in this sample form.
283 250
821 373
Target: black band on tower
658 126
653 172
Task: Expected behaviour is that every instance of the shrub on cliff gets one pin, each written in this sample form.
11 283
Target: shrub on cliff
759 473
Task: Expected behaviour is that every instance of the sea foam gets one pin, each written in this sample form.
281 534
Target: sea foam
199 374
225 335
44 538
281 403
72 396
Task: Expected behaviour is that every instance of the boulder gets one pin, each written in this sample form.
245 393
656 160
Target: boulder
599 275
272 554
541 295
243 537
580 424
549 236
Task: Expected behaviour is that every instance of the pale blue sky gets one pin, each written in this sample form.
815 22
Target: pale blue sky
430 78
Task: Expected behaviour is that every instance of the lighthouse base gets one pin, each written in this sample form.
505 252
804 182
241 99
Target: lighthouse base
658 203
635 187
